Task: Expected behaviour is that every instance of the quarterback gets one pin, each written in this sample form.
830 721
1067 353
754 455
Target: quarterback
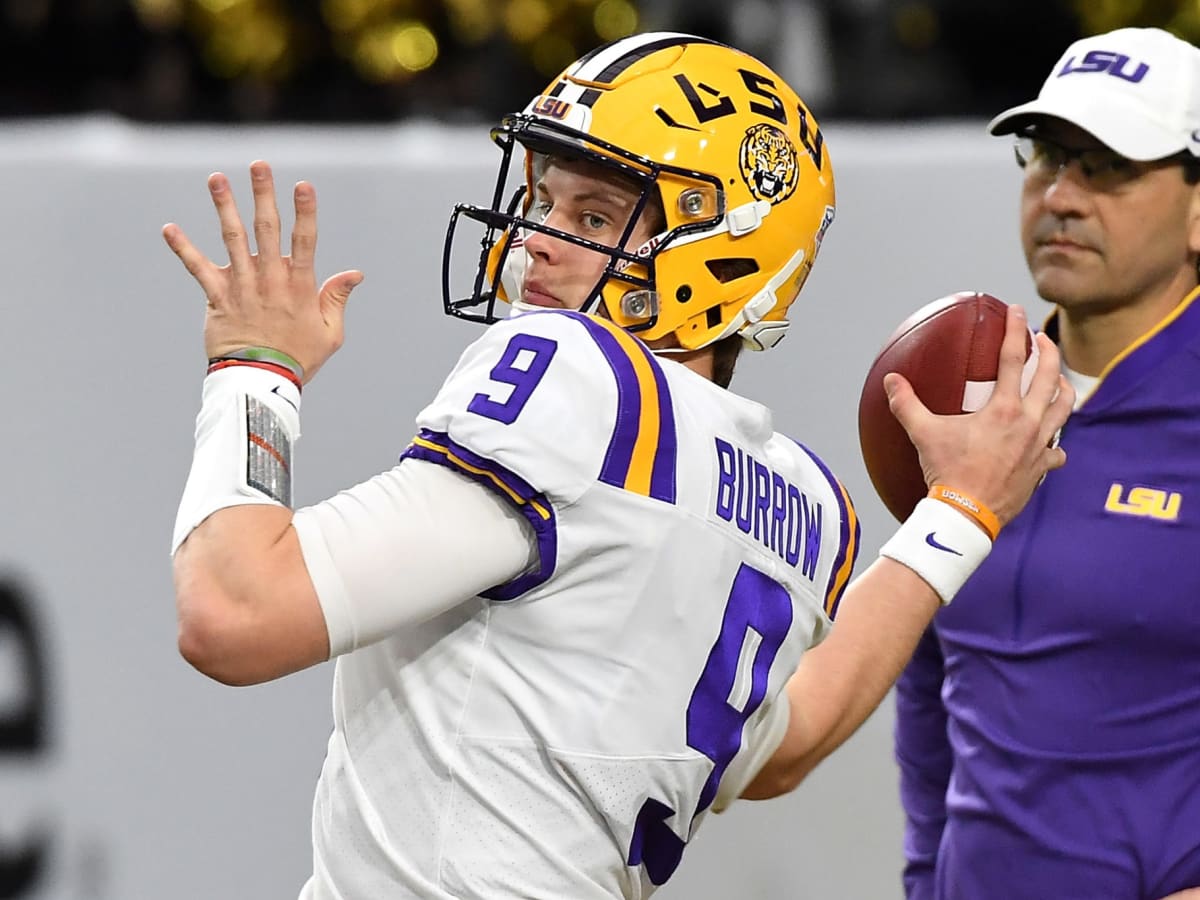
632 640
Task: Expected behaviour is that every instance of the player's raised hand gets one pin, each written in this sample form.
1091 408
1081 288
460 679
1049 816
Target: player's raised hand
1000 453
267 299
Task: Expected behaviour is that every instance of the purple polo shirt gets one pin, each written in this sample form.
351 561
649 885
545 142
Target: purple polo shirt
1048 727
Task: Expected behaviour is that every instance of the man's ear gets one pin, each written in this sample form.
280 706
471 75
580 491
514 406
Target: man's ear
1193 222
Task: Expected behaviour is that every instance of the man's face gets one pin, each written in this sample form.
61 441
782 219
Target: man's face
1107 239
585 200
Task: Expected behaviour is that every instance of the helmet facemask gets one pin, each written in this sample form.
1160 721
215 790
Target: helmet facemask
626 290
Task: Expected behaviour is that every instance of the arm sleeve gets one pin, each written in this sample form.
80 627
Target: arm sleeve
923 754
405 546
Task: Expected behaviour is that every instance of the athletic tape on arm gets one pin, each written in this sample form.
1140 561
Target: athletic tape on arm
249 421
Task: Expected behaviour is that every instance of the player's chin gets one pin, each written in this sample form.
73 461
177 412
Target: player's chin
544 301
1063 285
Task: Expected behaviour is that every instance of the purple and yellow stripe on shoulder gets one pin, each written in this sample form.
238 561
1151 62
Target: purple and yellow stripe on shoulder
642 452
436 447
848 539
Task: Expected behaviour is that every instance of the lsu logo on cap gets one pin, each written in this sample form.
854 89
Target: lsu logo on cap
1107 62
768 163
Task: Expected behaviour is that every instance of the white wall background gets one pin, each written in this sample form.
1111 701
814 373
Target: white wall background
160 784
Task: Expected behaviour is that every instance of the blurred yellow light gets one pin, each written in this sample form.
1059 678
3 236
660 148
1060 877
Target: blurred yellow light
551 54
1186 22
350 15
395 51
916 25
373 56
1105 15
614 19
472 21
159 13
414 46
258 45
217 7
525 20
345 15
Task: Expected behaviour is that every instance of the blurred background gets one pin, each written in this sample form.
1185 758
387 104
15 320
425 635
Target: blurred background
383 60
124 774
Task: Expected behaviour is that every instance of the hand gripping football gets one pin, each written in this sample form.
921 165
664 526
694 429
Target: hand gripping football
949 351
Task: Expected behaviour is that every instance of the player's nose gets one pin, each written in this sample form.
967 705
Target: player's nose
1065 194
543 246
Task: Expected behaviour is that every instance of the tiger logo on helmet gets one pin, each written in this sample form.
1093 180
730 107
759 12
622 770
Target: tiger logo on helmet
768 163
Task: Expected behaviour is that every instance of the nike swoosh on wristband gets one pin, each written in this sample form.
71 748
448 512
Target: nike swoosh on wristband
276 392
937 545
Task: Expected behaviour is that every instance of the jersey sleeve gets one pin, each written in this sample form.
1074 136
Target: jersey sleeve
388 553
540 408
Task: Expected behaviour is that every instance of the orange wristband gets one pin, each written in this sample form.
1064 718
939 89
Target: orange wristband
976 511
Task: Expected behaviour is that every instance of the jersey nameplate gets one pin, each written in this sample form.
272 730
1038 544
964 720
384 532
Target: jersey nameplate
767 507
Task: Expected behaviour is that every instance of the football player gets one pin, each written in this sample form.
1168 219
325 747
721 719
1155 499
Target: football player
627 644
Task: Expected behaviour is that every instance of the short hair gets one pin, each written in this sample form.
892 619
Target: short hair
725 356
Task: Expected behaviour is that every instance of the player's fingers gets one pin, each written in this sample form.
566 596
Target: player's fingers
1044 383
197 264
1057 413
335 293
904 403
304 234
233 232
1012 352
1054 458
266 214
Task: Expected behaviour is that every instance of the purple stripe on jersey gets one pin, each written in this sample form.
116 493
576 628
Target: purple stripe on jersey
629 407
545 530
662 478
846 541
513 482
629 403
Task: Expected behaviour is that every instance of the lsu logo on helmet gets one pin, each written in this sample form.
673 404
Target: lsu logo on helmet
768 163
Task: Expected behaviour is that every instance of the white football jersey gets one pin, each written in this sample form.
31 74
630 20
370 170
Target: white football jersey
563 735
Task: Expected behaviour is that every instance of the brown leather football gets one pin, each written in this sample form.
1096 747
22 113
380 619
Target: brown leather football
948 350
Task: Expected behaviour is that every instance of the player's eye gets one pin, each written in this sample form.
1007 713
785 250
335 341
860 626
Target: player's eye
594 221
1045 159
1105 164
1052 156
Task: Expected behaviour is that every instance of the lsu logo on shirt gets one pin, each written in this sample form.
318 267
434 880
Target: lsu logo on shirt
1146 502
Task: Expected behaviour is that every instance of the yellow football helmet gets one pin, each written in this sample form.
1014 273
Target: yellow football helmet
731 152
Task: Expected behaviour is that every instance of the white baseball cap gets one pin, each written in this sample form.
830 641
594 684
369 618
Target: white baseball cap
1136 90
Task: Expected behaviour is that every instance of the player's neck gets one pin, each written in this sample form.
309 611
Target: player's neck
1091 338
699 361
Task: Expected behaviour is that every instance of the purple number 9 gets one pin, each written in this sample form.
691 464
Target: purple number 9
729 691
538 351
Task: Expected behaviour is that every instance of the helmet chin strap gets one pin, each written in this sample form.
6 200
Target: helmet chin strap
512 277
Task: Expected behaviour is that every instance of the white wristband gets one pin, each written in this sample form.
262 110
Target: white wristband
941 545
249 419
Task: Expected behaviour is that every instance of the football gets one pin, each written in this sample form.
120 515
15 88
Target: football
948 350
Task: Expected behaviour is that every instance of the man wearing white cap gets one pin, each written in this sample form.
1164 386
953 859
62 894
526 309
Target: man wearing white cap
1048 728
